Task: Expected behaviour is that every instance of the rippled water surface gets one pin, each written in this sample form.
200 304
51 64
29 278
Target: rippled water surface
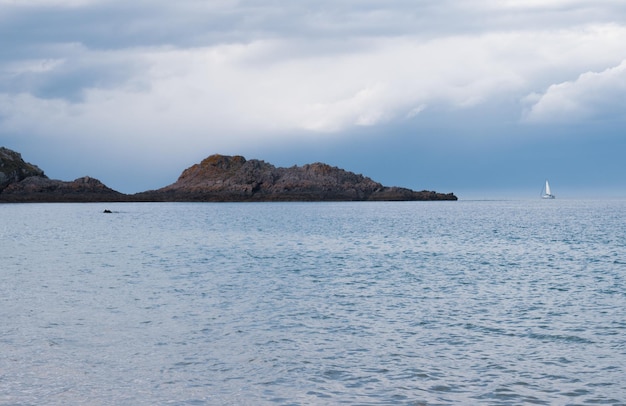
422 303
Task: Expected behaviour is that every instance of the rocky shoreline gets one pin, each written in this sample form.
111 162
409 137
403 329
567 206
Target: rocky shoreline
218 178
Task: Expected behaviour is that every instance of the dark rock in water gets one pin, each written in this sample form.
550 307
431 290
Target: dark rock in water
107 211
14 169
233 178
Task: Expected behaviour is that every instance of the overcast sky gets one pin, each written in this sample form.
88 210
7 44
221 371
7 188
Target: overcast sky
482 98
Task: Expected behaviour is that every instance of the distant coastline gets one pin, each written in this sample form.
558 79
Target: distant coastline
218 178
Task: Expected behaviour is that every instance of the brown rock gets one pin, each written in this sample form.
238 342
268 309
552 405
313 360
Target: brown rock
233 178
42 189
13 169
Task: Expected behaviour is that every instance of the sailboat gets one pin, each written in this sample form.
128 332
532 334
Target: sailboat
546 193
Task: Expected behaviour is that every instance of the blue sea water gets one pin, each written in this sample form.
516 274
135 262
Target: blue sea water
416 303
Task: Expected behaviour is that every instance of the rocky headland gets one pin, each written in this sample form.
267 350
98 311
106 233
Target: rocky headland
41 189
13 169
23 182
218 178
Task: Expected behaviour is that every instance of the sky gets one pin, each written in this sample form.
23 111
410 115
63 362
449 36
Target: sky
482 98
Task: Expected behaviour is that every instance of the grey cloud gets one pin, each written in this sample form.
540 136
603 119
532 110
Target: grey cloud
102 45
188 23
66 71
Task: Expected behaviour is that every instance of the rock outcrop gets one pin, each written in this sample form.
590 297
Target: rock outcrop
21 181
233 178
14 169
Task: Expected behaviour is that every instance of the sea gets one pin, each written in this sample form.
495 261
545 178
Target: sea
509 302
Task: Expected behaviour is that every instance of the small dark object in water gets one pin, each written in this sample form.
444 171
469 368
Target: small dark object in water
107 211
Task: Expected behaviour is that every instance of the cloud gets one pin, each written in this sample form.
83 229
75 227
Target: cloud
592 96
45 3
258 87
227 73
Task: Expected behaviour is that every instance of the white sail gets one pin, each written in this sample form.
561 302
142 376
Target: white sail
547 193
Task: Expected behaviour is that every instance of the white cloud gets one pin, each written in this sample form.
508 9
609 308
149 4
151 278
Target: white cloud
307 68
592 96
238 90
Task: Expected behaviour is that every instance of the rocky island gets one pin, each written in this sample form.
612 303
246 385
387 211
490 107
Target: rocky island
218 178
233 178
